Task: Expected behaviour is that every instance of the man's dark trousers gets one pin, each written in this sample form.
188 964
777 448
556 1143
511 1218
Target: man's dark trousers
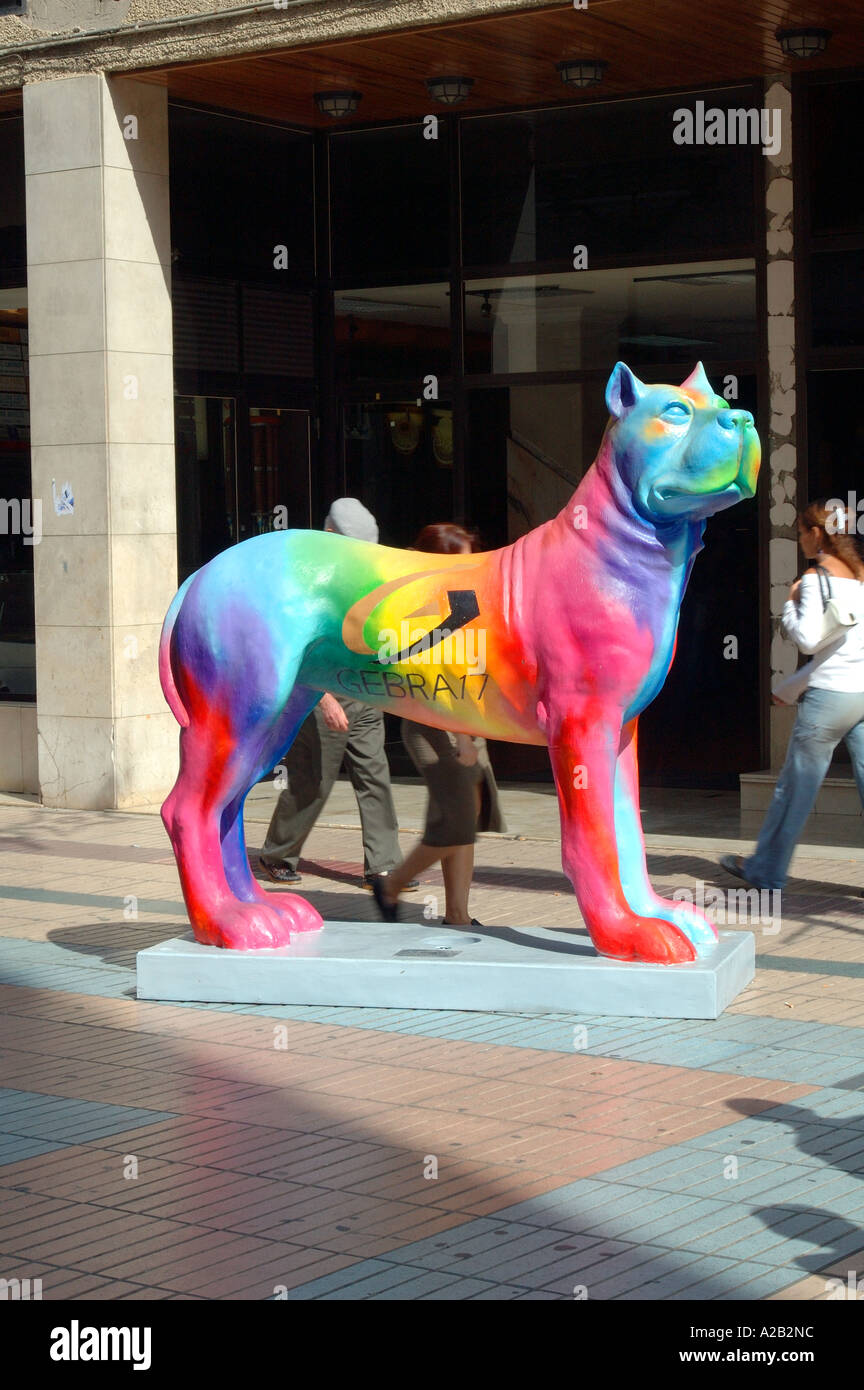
312 764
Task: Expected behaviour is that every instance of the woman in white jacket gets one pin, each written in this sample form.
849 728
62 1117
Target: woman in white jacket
832 707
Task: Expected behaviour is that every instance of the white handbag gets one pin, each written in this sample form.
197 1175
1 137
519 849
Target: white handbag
837 618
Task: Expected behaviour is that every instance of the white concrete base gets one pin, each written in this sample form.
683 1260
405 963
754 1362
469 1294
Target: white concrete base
504 970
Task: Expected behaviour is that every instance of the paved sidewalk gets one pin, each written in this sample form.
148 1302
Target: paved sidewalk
169 1151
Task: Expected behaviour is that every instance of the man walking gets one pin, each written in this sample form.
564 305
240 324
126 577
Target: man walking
337 728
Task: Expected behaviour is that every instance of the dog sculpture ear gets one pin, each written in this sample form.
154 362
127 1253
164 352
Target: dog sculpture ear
623 390
698 381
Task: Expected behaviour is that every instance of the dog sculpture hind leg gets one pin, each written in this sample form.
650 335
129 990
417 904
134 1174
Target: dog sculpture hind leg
235 697
578 621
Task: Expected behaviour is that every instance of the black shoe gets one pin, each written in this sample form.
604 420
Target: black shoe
734 864
280 873
367 881
472 923
389 911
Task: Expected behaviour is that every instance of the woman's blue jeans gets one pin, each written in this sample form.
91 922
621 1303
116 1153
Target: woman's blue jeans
824 718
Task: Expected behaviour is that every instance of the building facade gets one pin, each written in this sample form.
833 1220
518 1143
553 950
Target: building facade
226 297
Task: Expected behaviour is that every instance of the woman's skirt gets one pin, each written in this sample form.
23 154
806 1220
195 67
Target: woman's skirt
452 816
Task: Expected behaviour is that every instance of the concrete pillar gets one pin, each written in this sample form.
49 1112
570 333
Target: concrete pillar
782 440
101 383
514 332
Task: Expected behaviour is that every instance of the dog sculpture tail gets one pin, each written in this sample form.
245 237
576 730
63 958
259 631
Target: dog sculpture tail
166 670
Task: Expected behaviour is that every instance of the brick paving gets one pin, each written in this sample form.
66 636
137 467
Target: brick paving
173 1151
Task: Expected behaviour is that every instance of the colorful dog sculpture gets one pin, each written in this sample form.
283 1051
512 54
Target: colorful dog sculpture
578 621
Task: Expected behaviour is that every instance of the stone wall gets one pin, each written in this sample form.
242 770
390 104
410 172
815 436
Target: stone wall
102 421
781 444
150 33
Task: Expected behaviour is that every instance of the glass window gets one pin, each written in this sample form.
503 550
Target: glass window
390 201
399 462
837 298
13 245
608 176
835 435
20 514
836 119
591 318
705 691
393 334
241 190
529 445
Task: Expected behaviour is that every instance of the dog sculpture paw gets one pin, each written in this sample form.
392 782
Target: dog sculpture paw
693 923
651 941
240 926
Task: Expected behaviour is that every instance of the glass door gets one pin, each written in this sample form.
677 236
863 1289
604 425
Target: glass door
399 461
241 471
206 462
276 490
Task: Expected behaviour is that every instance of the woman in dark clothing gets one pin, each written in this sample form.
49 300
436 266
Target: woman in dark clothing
463 795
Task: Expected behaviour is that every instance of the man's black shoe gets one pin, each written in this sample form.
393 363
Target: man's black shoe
280 873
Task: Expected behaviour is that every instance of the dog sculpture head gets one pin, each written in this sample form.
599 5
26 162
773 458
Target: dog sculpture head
680 450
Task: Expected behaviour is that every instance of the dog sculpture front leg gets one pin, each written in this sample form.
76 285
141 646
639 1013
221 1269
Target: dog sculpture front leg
631 852
584 737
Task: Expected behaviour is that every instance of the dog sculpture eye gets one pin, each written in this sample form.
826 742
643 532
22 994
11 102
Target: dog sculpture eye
677 412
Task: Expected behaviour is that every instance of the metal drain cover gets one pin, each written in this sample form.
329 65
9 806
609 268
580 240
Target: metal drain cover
431 953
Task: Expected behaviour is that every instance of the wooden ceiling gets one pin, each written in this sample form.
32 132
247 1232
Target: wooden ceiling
648 44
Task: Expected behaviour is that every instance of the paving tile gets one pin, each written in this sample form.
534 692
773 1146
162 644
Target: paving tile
683 1273
264 1168
332 1284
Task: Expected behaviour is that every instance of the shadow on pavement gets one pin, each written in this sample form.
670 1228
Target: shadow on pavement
328 1170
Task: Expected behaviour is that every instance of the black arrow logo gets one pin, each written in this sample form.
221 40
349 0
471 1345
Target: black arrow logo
464 608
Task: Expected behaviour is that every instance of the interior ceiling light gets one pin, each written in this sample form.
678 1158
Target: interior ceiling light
582 72
336 105
803 43
449 90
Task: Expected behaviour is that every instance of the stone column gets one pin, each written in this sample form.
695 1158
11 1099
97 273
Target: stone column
781 448
514 332
101 382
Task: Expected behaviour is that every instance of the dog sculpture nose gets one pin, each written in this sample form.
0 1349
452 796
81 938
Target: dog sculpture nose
734 419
